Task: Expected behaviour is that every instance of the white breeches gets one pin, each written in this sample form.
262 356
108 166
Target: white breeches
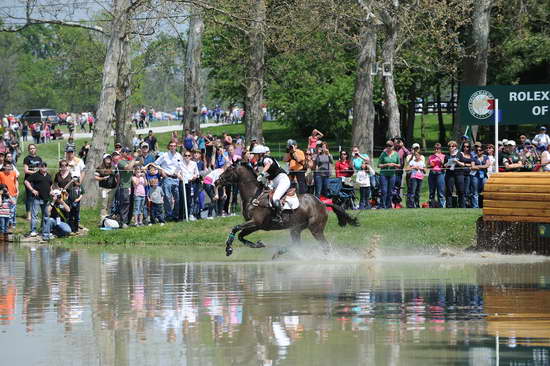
281 184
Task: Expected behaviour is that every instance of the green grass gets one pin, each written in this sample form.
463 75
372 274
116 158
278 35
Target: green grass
404 228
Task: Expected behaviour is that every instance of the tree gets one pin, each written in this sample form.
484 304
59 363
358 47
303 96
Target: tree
192 87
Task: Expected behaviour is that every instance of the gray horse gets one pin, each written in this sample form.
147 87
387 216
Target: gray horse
311 214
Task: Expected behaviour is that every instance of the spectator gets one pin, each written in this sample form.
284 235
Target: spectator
188 140
70 144
156 197
139 183
189 175
39 184
210 188
344 168
118 148
465 162
170 163
510 159
417 168
57 216
388 162
25 131
8 177
521 144
478 175
309 164
63 177
545 159
436 178
76 165
542 139
151 140
30 166
107 177
83 153
359 158
363 180
528 157
312 140
403 152
136 142
323 160
145 157
125 167
492 168
5 213
74 196
296 159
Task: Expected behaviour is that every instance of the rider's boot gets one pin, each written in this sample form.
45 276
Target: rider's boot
277 219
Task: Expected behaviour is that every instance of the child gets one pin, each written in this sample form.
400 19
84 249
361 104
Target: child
5 202
152 172
139 183
209 182
363 180
417 168
156 197
75 193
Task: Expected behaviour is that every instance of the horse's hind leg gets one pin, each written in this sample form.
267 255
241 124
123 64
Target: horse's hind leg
248 243
295 235
318 233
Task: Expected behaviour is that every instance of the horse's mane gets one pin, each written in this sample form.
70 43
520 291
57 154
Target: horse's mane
248 167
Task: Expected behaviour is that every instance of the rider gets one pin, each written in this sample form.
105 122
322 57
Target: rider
273 172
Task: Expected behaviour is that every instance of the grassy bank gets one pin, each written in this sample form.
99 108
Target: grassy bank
419 229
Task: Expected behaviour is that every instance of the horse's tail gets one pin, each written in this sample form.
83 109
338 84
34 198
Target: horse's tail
343 217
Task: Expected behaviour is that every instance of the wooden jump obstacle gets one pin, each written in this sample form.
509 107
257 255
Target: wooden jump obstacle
516 213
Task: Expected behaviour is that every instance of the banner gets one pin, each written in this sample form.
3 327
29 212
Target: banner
518 104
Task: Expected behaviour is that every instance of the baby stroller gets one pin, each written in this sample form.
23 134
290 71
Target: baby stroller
341 194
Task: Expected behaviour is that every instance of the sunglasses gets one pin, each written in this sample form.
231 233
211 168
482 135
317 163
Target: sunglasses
64 164
187 155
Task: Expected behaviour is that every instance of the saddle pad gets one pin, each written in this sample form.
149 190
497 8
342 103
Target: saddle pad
291 202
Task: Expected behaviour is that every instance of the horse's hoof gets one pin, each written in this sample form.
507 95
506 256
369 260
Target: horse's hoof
228 251
259 244
279 253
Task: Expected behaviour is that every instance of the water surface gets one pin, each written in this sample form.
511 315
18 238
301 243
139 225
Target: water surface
79 307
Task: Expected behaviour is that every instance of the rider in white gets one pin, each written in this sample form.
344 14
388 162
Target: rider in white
272 171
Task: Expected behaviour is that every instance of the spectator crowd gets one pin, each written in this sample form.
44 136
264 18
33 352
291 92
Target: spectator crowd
148 184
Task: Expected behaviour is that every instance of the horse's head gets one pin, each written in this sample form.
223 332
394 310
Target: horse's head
235 173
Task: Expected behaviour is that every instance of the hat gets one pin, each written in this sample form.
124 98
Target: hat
56 192
114 153
126 150
542 128
69 149
290 142
465 137
478 143
118 144
500 143
510 143
144 144
527 142
505 141
76 177
259 149
105 156
416 145
253 138
396 138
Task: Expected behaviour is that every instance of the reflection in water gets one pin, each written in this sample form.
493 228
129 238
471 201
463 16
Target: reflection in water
119 309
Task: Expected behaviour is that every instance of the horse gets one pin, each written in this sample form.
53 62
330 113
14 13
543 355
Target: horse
311 213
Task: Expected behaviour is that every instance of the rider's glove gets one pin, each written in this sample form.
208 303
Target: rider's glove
260 177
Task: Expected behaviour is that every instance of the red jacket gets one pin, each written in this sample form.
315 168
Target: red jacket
343 168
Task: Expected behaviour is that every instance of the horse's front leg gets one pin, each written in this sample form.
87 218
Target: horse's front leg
230 239
247 231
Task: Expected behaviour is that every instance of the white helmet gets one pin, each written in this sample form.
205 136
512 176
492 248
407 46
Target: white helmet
259 149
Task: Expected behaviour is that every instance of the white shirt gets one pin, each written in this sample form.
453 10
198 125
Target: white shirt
546 157
189 171
363 178
541 138
170 163
76 166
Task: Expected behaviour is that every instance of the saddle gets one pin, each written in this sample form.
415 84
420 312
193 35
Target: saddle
289 201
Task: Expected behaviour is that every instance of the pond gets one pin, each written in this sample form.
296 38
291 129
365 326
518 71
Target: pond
88 307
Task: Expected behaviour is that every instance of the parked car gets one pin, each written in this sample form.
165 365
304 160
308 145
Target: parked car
43 114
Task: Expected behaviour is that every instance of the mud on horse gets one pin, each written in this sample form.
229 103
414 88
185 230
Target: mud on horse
311 213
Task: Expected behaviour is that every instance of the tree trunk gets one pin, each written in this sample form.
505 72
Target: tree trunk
107 101
192 88
122 95
440 122
391 106
255 78
411 114
474 67
363 106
